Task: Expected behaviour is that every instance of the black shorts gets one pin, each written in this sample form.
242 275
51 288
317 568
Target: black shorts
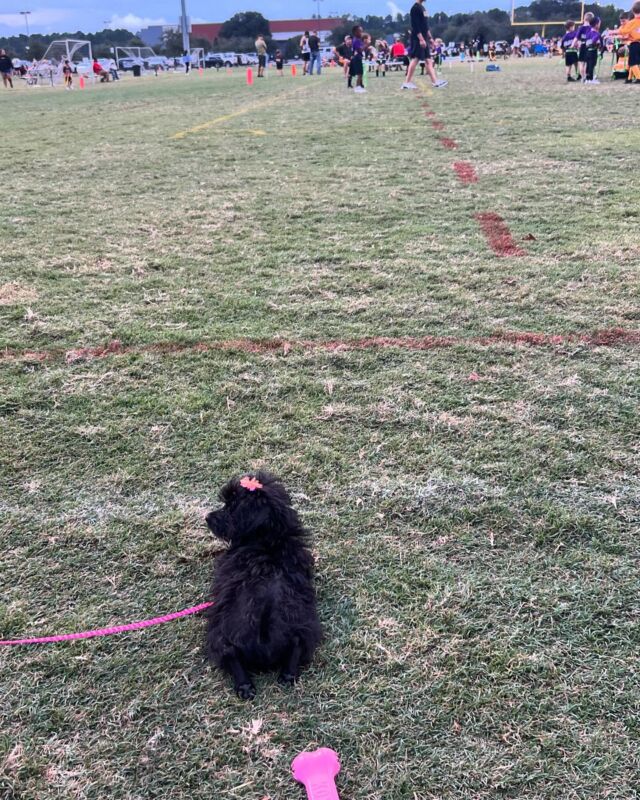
582 53
306 56
262 61
356 66
418 51
279 65
570 58
634 54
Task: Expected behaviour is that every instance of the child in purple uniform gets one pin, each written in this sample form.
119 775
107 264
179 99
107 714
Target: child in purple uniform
580 41
570 53
593 43
356 65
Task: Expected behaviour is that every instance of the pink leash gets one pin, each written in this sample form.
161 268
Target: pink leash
132 626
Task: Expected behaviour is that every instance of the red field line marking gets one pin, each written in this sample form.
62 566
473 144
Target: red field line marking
445 141
498 235
465 171
439 126
608 337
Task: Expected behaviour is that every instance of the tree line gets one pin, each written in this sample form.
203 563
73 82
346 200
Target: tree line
493 25
35 46
239 32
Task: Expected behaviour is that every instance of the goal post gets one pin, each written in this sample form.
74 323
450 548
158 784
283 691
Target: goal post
197 57
139 54
543 24
75 51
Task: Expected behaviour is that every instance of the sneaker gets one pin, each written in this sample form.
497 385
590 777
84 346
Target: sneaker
409 85
440 84
569 79
595 80
359 89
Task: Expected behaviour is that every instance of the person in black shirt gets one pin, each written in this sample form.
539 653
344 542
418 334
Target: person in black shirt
6 69
420 39
314 47
279 59
343 53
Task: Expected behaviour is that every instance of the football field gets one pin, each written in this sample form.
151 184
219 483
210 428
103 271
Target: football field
421 310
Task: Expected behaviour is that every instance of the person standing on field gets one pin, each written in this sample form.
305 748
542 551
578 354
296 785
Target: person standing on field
261 50
420 40
305 51
314 48
6 69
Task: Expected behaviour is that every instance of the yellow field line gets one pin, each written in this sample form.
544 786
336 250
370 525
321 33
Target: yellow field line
203 126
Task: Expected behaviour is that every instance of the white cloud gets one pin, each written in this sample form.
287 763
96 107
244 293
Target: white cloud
394 8
41 17
132 22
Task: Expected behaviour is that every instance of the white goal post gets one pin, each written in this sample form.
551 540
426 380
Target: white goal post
76 51
138 54
197 57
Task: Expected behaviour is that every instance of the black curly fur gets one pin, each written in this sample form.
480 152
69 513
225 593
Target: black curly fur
264 615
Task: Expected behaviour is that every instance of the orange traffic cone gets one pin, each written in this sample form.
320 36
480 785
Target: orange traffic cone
81 82
200 71
294 71
249 76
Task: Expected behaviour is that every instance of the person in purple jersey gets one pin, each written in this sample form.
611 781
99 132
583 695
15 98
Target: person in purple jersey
593 47
570 53
581 42
356 65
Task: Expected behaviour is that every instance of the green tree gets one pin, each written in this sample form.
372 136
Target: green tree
172 43
245 24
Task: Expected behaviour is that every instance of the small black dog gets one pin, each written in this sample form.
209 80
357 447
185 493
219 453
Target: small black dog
264 614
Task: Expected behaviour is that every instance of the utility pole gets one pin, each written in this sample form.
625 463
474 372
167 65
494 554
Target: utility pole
25 14
186 44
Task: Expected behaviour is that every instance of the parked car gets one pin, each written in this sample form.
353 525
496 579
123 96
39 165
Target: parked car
213 60
230 59
128 63
84 67
157 61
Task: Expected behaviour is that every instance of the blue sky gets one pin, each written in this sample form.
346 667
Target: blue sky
48 16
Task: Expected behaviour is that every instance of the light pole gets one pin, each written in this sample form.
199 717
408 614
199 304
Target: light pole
186 45
25 14
318 4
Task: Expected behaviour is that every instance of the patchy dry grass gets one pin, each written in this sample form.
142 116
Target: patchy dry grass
475 507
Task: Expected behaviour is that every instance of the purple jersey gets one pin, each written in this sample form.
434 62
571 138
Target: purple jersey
567 40
581 33
593 39
357 45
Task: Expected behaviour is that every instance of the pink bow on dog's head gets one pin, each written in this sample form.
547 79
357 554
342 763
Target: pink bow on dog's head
250 484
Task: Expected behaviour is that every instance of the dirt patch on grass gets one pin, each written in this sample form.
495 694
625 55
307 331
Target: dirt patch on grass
13 294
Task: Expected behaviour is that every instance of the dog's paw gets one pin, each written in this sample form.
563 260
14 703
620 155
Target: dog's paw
246 691
286 679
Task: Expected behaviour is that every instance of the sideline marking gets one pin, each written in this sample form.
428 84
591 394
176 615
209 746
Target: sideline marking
203 126
498 235
450 144
608 337
465 171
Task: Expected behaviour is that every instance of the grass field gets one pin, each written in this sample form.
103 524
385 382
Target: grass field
474 497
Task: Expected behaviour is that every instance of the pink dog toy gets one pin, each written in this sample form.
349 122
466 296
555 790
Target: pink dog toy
317 771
